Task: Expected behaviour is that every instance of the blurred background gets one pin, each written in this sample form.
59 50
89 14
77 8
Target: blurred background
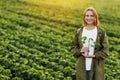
35 37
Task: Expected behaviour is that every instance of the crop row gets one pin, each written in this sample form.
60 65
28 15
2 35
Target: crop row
24 42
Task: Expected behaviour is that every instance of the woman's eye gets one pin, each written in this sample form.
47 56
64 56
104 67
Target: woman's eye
89 15
92 15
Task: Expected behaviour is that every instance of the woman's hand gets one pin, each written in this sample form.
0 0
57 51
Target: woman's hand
88 56
84 49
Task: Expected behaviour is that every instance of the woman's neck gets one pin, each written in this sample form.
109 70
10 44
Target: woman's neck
89 27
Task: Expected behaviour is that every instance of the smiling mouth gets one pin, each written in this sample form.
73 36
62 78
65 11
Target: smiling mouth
89 20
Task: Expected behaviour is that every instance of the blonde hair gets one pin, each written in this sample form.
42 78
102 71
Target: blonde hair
96 21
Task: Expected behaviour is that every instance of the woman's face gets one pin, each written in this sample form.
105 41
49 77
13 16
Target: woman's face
89 18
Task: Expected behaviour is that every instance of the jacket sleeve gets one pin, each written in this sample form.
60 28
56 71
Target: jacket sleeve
75 49
104 52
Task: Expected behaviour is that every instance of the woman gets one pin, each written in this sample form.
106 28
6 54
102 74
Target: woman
90 47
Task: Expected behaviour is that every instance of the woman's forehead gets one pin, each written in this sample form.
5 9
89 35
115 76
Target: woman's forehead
89 13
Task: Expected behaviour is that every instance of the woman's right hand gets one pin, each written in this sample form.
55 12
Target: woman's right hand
84 49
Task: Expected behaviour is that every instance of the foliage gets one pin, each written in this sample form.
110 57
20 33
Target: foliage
35 40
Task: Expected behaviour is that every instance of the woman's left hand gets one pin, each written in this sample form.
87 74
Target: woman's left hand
88 56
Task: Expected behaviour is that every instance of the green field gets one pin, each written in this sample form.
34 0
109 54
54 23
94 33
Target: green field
35 37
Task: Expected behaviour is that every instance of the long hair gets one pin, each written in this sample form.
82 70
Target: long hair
96 21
